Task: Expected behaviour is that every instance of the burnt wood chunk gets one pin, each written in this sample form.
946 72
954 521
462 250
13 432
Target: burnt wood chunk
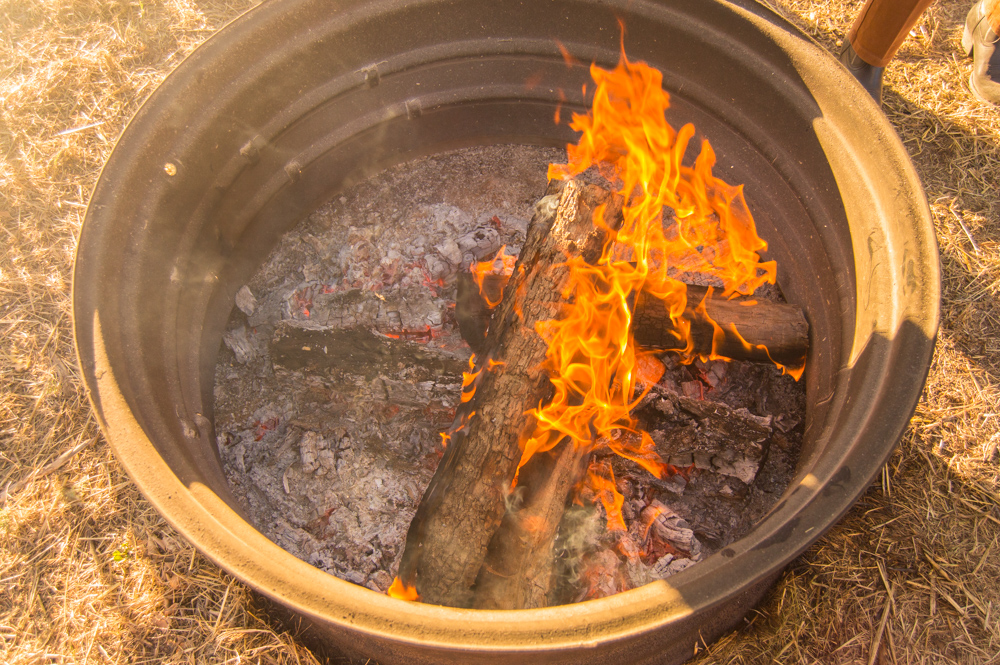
471 311
465 501
359 351
719 441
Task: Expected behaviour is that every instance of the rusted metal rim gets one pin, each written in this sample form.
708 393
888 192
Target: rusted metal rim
298 99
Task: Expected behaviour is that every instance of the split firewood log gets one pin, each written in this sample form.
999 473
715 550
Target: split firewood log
765 331
465 502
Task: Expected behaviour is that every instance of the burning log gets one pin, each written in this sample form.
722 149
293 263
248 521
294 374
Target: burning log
465 502
464 547
519 567
766 331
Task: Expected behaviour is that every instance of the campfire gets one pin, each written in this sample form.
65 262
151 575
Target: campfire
486 411
347 168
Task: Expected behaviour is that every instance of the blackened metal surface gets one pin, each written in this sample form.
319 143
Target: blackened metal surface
300 98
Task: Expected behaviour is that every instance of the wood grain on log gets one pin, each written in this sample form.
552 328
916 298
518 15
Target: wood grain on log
518 570
464 504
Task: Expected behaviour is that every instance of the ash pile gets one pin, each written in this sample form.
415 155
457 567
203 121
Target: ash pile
343 362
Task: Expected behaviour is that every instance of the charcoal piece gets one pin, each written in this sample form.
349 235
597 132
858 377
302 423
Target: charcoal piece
360 351
480 243
240 344
246 301
720 440
450 252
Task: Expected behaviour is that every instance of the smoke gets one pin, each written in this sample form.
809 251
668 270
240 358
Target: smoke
581 533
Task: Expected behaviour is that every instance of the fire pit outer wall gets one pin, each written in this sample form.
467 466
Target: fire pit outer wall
298 99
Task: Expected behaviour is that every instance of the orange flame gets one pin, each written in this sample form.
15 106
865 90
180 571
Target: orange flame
402 591
794 372
501 264
642 453
464 421
469 380
597 375
649 369
654 513
602 481
718 336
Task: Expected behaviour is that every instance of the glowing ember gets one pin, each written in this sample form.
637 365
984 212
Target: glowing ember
594 367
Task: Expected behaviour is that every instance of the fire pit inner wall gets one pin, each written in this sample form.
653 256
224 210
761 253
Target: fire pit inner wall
299 99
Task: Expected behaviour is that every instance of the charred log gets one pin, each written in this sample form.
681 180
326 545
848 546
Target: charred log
471 311
360 351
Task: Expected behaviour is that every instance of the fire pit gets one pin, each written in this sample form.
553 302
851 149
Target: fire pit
296 101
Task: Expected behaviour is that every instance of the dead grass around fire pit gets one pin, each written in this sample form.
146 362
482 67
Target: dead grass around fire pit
89 573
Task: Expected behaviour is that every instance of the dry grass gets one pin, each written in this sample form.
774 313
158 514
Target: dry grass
90 573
